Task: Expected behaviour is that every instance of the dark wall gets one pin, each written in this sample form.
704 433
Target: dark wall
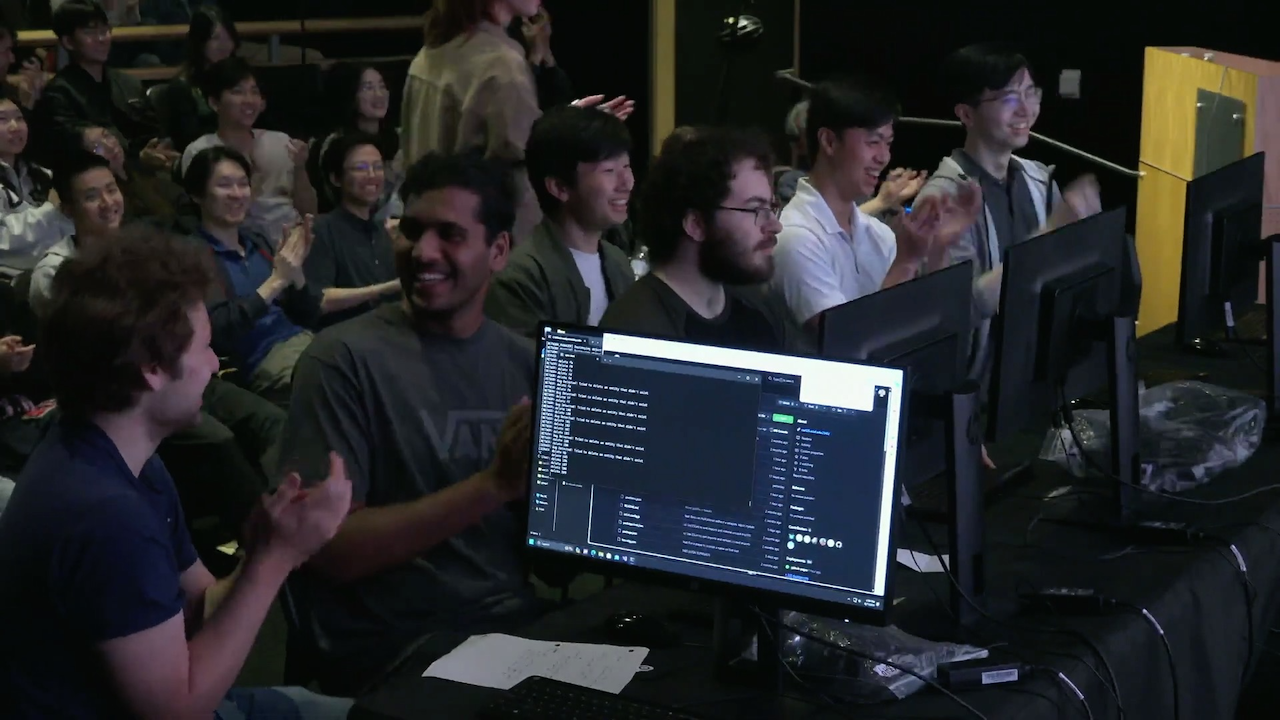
1108 50
715 83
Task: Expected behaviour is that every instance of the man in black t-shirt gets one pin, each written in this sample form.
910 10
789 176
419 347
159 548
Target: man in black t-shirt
711 223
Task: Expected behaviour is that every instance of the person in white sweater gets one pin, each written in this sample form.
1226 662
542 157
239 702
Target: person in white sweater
30 219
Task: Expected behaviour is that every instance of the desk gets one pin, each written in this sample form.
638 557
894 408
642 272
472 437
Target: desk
1196 594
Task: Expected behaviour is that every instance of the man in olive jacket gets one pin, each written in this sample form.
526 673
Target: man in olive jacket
569 271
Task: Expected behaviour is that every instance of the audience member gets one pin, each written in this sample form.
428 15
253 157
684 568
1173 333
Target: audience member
119 616
30 80
794 130
552 82
30 219
87 94
96 208
830 251
998 102
261 303
579 162
412 396
351 259
711 224
358 100
471 87
185 115
282 192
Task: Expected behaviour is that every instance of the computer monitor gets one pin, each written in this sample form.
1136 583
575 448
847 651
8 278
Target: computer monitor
767 476
924 325
1221 250
1065 330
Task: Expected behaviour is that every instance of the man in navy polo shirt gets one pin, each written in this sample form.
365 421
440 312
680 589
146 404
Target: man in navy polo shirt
108 611
261 306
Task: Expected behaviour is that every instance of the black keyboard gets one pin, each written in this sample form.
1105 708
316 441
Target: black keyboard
538 698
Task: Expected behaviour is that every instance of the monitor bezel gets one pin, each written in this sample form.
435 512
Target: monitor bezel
728 590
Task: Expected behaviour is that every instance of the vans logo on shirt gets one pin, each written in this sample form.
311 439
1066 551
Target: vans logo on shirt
465 434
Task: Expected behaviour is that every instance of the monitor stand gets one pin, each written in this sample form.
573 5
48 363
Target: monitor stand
967 504
1122 354
735 625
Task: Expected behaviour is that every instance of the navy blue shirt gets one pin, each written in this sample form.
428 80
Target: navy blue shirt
88 553
247 273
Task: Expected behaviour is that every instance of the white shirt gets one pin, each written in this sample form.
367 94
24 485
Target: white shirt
592 272
272 210
818 265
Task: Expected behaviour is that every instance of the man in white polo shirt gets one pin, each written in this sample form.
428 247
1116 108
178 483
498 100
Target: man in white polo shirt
830 251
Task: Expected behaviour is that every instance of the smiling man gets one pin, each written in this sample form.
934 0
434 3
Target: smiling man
579 162
830 251
351 260
95 205
415 394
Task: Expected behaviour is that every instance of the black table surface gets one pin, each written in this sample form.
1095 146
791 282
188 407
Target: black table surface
1212 615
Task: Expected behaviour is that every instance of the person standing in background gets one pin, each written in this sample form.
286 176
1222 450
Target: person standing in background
471 87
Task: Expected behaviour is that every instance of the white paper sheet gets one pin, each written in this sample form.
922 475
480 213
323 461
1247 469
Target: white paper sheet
923 562
502 661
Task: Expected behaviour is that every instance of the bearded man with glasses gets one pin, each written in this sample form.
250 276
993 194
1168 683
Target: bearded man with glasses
710 221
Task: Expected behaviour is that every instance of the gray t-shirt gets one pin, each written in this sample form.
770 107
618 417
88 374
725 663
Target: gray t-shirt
410 414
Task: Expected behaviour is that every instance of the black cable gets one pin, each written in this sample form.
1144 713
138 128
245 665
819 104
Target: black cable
1168 651
1112 687
871 658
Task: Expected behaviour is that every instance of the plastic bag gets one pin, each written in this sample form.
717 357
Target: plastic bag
1188 433
877 680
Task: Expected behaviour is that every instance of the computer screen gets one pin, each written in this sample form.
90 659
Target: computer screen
766 474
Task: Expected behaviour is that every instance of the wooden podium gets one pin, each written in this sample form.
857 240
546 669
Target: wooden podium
1201 110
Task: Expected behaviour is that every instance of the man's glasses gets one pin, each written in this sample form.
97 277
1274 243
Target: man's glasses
763 214
1030 96
367 169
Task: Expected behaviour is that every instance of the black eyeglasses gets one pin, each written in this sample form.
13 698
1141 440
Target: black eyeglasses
763 214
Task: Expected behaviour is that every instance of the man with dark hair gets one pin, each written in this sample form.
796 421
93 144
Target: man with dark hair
579 163
413 396
95 205
119 616
261 308
87 95
710 221
282 190
998 101
351 259
830 250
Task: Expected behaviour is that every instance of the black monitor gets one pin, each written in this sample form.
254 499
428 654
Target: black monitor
1221 250
924 325
761 475
1066 330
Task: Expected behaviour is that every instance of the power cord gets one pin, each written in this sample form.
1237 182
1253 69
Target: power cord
1191 534
1066 681
1084 601
870 658
1112 685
